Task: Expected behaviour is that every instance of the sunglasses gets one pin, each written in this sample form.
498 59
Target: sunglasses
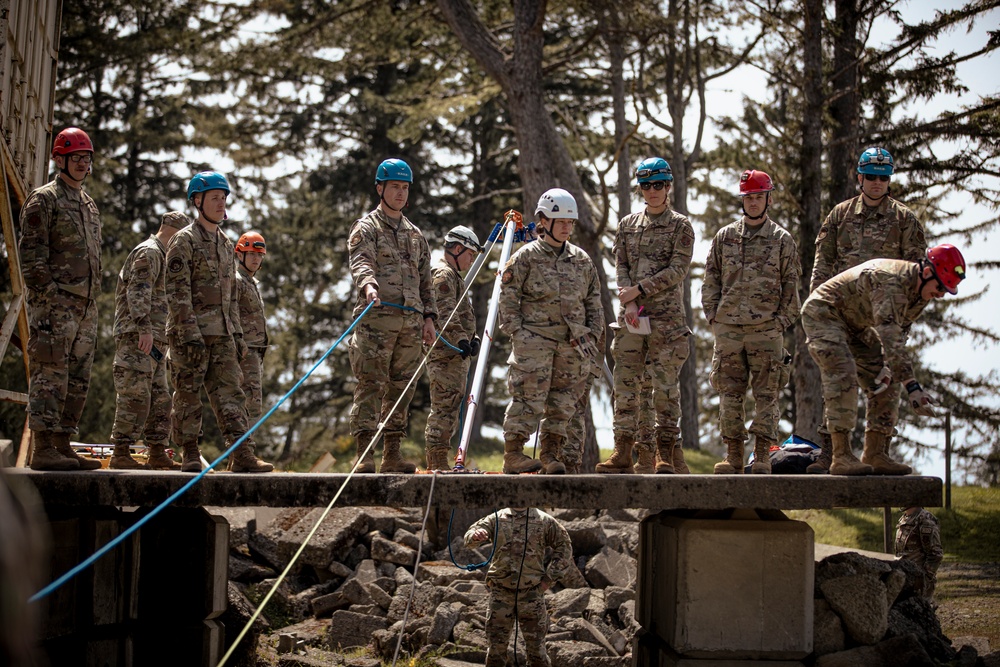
876 177
656 185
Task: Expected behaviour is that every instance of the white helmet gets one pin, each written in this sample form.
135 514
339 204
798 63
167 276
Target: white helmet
465 236
557 203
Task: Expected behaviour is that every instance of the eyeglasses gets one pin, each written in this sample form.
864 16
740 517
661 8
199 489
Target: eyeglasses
876 177
656 185
85 158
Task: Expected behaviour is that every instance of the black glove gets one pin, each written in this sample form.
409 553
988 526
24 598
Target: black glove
466 349
474 346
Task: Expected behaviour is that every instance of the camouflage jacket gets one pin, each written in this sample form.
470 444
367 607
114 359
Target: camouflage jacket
141 296
854 233
752 280
918 538
448 289
201 285
543 532
61 241
553 292
252 318
654 253
881 294
395 258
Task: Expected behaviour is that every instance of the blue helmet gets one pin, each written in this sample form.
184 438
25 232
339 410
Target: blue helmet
204 181
393 169
653 169
876 160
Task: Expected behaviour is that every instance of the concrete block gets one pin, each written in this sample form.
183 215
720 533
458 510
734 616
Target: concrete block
728 585
350 629
648 651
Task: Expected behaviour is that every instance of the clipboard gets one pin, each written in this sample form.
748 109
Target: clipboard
641 329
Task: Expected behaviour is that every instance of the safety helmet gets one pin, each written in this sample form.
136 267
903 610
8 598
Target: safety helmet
948 265
71 140
753 181
876 160
557 203
251 242
465 236
393 169
653 169
204 181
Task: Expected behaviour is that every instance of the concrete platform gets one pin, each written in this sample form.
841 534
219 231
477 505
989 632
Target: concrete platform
779 492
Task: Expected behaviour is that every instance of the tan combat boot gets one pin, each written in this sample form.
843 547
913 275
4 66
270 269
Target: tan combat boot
620 460
44 455
191 461
367 464
61 442
437 457
158 459
392 461
243 459
665 453
761 456
876 455
514 460
548 453
733 463
821 466
646 465
680 465
844 461
121 459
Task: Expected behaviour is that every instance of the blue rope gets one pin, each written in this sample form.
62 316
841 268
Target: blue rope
472 567
177 494
412 309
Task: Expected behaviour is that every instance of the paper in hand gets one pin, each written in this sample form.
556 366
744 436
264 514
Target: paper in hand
642 328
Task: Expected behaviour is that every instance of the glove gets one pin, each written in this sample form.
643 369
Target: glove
466 349
920 400
241 346
474 346
195 353
586 347
882 381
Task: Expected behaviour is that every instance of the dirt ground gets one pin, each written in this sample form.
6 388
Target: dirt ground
968 597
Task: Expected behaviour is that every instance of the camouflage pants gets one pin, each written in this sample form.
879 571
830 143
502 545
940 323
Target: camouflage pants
385 352
576 430
545 379
646 433
252 367
635 356
742 357
448 373
531 617
846 361
61 341
142 404
219 373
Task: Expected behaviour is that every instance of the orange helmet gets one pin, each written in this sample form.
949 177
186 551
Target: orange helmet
71 140
753 181
948 265
251 242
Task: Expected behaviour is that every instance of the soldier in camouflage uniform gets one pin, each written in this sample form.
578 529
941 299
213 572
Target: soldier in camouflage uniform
447 369
250 251
576 429
918 539
750 297
517 578
652 255
868 226
550 306
142 406
203 329
61 260
856 325
389 260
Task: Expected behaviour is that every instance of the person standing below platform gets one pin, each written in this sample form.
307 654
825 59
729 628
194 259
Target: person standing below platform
60 252
918 539
142 404
391 262
865 227
750 296
856 325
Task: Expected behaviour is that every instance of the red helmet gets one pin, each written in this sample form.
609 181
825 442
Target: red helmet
948 265
251 242
71 140
753 181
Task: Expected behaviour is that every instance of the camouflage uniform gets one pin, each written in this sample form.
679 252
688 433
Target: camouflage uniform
61 261
447 370
142 406
750 294
203 311
576 429
549 297
516 575
254 325
855 324
386 346
654 253
918 539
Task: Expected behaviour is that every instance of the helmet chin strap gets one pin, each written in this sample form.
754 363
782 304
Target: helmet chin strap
381 197
767 203
65 170
201 209
877 200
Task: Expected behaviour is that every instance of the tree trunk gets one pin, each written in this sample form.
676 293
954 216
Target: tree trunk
843 149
